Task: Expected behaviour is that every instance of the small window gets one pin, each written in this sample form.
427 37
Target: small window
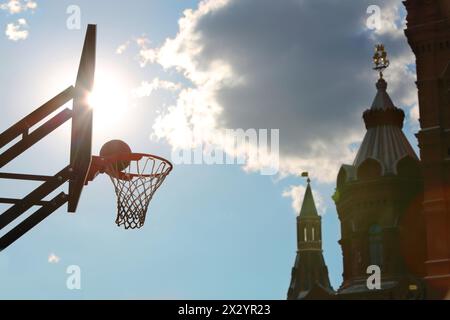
369 169
376 245
313 234
304 233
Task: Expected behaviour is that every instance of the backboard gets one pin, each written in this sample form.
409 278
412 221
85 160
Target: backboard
81 139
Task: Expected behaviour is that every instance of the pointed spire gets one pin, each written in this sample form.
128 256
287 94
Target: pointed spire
308 209
382 100
310 273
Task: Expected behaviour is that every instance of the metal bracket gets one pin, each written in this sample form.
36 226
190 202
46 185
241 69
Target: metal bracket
32 220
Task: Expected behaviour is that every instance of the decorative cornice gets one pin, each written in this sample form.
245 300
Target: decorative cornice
422 11
377 117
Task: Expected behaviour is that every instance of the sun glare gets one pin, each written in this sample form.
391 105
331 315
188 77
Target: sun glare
109 99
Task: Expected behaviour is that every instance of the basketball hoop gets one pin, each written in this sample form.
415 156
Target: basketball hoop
136 177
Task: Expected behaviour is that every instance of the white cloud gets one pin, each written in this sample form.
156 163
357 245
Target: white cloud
122 48
392 21
12 6
310 77
53 258
146 55
296 193
17 31
18 6
146 88
31 4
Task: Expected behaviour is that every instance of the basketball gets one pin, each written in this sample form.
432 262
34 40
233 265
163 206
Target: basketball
113 148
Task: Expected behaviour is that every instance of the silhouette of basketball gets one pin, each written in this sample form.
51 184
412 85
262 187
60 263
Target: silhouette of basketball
113 148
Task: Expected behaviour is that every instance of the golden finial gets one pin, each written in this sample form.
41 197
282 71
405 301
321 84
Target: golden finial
380 59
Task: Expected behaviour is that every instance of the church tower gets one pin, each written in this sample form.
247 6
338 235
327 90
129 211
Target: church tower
310 274
378 200
428 33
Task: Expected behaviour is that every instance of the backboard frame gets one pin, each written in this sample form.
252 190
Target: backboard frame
24 134
82 120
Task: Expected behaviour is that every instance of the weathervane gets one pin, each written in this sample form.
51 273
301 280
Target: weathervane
380 59
306 175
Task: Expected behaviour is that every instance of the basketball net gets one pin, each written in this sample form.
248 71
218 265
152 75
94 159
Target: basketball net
135 186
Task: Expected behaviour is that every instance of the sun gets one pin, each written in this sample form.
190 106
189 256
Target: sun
109 99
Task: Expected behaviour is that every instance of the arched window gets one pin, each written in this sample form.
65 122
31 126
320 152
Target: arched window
408 167
305 235
369 169
313 236
376 245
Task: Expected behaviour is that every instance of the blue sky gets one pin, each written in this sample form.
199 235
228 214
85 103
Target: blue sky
213 232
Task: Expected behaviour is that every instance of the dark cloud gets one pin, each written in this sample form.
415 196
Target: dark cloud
303 67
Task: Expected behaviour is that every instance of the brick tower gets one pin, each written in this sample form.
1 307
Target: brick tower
310 273
428 33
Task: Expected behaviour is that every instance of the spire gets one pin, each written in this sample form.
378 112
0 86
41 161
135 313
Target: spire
308 209
382 100
310 273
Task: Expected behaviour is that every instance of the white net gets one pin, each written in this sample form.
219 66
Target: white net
135 182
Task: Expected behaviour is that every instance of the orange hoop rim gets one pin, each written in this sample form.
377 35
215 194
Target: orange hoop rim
100 164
